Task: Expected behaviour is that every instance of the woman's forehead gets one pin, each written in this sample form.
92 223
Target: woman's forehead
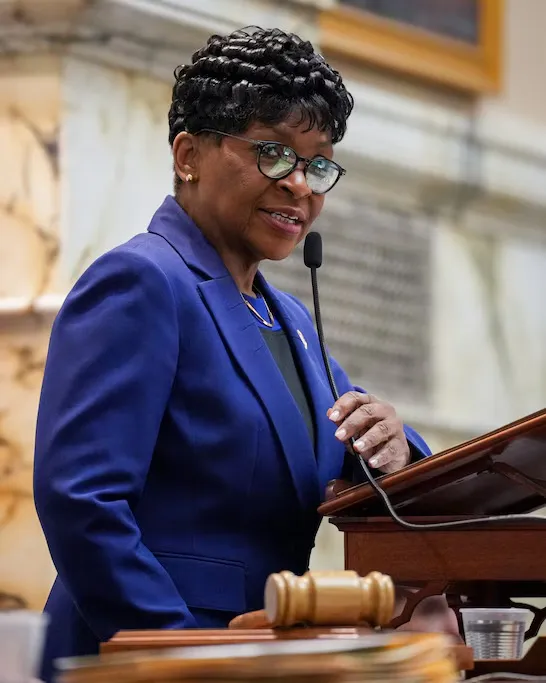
291 133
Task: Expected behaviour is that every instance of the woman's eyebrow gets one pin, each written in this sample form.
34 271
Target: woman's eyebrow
326 142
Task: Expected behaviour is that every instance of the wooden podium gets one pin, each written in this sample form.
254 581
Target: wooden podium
500 473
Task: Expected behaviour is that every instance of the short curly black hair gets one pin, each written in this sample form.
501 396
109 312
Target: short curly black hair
263 75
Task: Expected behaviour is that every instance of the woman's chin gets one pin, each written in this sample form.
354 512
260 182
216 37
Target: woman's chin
279 252
277 247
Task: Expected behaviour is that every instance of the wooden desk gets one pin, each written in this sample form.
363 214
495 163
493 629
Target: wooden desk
482 567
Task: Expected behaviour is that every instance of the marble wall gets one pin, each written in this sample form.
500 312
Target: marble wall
29 235
29 183
490 326
117 164
26 572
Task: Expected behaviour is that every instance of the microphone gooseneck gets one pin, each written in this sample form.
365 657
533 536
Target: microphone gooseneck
312 257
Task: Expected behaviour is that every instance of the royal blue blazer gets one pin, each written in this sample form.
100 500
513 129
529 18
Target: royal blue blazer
173 469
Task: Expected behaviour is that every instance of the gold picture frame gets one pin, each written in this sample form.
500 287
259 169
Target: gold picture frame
388 44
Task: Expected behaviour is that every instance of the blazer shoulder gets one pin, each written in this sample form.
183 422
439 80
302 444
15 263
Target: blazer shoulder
147 257
154 251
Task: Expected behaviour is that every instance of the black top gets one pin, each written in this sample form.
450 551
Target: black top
281 351
279 346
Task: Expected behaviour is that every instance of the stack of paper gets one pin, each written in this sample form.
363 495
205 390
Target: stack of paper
378 658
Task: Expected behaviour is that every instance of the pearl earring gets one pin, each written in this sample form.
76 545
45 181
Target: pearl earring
190 178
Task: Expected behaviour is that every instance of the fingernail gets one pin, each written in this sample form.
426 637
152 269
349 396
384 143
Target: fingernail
374 462
334 416
341 434
361 445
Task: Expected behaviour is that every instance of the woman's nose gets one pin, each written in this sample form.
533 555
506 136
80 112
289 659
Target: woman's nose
296 184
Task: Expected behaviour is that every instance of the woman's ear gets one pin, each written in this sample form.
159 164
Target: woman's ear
185 156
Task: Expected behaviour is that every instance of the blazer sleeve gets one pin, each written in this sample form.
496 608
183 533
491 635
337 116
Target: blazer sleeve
111 363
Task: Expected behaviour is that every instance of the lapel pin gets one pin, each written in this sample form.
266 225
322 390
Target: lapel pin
303 340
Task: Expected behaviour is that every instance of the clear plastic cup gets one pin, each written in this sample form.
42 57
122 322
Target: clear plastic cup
22 635
495 633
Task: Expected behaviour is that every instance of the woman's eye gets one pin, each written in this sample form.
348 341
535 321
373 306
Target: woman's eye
272 151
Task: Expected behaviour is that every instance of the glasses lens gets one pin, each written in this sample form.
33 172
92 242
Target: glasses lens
321 175
276 161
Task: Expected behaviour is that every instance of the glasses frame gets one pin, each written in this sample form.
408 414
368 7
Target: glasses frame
260 144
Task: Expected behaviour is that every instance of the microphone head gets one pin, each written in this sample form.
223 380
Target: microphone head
312 250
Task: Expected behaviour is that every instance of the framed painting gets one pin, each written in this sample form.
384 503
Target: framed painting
454 43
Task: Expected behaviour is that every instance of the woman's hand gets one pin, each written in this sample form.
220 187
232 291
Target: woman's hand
378 431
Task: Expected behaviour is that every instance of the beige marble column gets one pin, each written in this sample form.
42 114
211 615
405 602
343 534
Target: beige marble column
29 239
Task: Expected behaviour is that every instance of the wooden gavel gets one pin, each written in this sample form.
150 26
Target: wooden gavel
323 598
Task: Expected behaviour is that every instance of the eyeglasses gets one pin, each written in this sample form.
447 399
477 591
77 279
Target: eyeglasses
277 161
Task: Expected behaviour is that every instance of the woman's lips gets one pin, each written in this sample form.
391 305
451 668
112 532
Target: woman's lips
282 224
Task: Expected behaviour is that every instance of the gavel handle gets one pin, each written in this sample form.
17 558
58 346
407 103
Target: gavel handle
256 619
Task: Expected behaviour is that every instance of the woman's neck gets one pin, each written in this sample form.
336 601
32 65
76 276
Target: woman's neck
241 265
243 274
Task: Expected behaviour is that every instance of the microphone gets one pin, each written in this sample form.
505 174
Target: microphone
312 257
312 250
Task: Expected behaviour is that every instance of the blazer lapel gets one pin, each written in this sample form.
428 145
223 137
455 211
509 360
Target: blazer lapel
330 452
245 343
242 336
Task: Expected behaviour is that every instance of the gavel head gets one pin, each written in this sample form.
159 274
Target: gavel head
329 598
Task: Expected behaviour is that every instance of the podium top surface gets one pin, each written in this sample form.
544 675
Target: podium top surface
502 472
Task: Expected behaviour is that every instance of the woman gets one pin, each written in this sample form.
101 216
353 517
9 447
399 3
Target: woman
186 430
